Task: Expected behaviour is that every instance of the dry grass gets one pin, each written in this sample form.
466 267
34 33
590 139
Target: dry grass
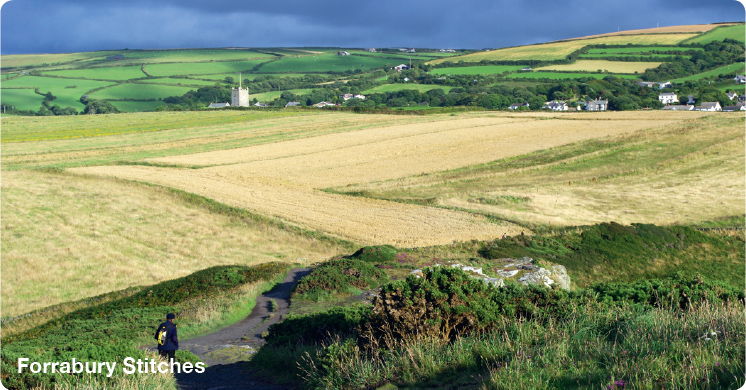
608 66
281 179
692 28
684 173
80 237
560 50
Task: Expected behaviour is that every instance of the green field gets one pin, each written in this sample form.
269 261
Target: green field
737 68
128 106
22 99
327 63
107 73
189 55
638 50
23 60
656 57
244 76
179 81
139 91
489 69
267 96
400 87
564 76
199 68
61 88
736 32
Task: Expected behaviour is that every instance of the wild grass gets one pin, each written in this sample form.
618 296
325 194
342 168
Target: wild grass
134 234
621 347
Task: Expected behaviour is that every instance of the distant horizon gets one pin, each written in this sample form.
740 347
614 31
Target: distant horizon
73 26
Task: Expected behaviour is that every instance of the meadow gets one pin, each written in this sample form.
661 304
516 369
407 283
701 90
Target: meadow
119 73
21 99
400 87
489 69
737 68
606 66
327 63
565 75
132 106
199 68
182 81
267 96
139 91
737 32
67 91
639 50
561 49
26 60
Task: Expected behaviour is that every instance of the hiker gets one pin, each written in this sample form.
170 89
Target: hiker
168 343
504 235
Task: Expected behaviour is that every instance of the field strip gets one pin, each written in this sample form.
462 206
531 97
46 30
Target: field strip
439 147
360 219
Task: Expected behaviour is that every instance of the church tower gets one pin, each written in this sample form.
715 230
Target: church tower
240 96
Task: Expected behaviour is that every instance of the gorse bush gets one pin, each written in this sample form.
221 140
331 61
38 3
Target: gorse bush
338 276
375 254
318 327
111 331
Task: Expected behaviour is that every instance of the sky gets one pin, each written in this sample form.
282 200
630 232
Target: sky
60 26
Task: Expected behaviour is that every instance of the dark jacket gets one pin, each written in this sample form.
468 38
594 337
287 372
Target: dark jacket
172 342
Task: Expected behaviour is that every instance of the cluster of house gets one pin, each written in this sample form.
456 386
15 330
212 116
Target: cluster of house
408 50
652 84
669 98
346 96
559 105
447 51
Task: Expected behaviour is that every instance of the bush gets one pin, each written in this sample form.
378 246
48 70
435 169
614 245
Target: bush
338 276
317 327
375 254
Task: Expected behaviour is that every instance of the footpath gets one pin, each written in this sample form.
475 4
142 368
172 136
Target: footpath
226 351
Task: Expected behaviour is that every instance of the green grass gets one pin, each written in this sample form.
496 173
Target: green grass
244 76
200 68
737 68
656 57
267 96
327 63
736 32
638 50
60 88
489 69
22 99
566 76
181 81
399 87
128 106
22 60
188 55
107 73
140 91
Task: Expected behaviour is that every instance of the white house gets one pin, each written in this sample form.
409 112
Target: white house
292 104
348 96
740 79
597 105
665 84
324 104
668 98
257 104
343 53
678 108
219 105
516 106
401 67
732 95
709 106
555 105
371 50
734 108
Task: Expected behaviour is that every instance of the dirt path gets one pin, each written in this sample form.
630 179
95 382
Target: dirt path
226 350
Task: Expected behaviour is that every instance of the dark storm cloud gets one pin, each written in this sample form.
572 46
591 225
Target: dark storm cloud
35 26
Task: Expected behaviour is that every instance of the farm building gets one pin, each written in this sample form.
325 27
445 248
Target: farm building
343 53
219 105
668 98
516 106
678 108
324 104
597 105
555 105
665 84
257 104
292 104
526 69
371 50
709 106
348 96
648 84
401 67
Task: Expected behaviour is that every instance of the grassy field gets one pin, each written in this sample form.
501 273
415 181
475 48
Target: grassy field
565 76
200 68
182 81
130 106
639 50
560 50
140 91
327 63
737 68
736 32
189 55
61 88
21 99
490 69
267 96
399 87
690 28
606 66
133 234
651 176
22 60
107 73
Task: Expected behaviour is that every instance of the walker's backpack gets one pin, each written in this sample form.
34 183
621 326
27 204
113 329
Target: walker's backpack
161 335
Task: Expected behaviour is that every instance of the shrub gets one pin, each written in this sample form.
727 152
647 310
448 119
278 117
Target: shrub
317 327
375 254
338 276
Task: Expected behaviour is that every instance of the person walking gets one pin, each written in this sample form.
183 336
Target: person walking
168 342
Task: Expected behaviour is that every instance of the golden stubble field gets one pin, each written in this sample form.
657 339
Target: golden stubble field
284 179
